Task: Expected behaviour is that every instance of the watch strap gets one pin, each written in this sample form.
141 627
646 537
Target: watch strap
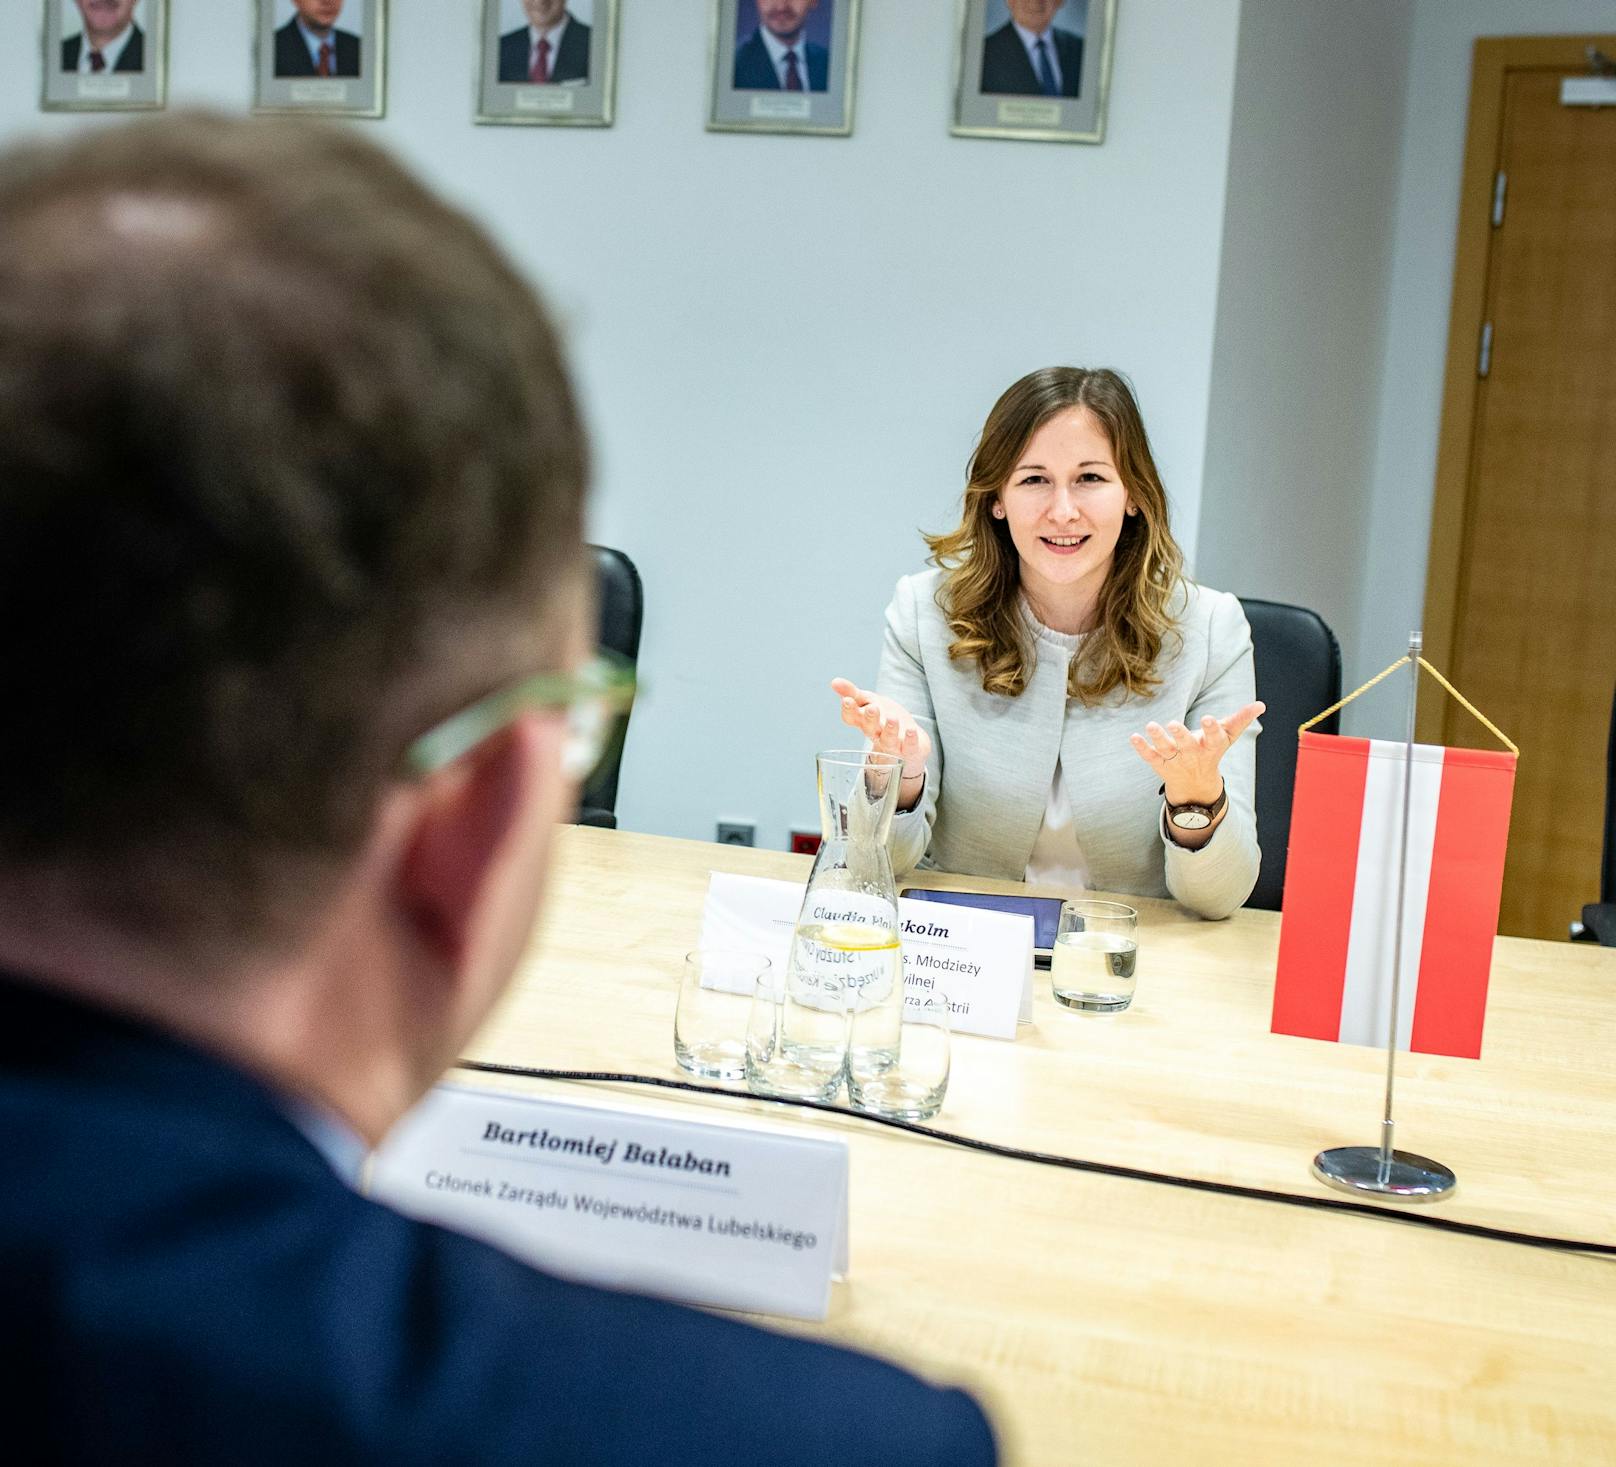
1213 810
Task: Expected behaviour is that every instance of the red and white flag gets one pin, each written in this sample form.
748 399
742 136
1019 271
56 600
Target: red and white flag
1340 915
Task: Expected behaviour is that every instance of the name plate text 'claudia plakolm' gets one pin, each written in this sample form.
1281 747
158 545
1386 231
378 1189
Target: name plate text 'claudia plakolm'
735 1216
982 960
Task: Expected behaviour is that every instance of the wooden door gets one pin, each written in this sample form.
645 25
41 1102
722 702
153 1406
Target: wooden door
1533 631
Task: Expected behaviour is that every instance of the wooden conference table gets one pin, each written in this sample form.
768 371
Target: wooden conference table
1110 1320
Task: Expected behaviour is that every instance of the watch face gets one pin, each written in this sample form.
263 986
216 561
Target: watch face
1193 818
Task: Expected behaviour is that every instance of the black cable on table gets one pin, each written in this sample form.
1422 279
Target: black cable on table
1070 1163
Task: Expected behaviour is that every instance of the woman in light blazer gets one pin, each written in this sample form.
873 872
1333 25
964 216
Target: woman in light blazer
1068 707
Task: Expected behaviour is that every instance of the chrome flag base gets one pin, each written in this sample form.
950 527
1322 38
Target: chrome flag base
1400 1176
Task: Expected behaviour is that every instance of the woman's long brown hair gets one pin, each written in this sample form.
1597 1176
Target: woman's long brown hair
982 581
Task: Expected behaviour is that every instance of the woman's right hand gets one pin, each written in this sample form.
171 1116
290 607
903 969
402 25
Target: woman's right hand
888 726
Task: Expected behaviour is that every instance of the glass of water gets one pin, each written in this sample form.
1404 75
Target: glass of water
796 1035
912 1082
715 997
1095 954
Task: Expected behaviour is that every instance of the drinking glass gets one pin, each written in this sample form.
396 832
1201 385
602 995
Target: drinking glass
1095 953
796 1035
912 1084
709 1024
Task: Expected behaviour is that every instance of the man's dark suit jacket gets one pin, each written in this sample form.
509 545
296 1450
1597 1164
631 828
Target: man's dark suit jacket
183 1278
292 56
1007 69
570 62
133 58
754 70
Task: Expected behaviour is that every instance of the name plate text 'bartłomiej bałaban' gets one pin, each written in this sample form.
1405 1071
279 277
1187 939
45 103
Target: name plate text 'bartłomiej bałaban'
736 1216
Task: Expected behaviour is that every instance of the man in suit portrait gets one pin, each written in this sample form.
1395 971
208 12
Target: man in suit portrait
1030 56
292 572
110 40
552 47
312 44
778 57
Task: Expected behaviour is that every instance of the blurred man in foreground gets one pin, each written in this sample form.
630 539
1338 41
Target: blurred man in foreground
292 616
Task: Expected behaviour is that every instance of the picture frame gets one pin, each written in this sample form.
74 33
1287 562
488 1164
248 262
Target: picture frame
514 47
322 57
764 78
132 73
1034 70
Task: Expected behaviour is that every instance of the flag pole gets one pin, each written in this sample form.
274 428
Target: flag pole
1416 644
1398 1176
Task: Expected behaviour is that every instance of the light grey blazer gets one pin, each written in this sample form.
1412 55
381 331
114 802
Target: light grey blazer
993 757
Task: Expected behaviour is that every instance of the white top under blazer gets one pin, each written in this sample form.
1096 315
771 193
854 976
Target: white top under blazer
1057 858
993 759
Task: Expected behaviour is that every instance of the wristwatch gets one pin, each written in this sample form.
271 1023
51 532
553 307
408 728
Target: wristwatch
1192 816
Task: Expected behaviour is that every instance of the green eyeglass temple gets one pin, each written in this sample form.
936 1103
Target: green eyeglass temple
593 697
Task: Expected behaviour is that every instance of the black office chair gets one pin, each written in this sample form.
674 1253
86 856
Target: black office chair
1599 918
1298 674
622 613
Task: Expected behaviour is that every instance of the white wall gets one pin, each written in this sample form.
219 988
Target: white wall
1313 159
1426 226
788 344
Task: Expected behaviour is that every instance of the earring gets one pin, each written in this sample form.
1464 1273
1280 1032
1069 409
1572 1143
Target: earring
998 510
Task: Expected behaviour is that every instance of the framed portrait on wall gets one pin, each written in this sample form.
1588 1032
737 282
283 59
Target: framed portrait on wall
323 56
783 66
547 62
105 55
1039 70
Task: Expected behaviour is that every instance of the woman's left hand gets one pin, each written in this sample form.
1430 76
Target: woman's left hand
1188 760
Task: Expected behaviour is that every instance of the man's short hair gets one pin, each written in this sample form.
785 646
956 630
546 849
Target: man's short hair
290 467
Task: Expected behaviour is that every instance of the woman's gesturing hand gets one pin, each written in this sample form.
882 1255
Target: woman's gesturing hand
886 724
1188 760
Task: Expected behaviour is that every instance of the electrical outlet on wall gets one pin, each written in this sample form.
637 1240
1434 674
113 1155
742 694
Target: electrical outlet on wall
736 833
805 842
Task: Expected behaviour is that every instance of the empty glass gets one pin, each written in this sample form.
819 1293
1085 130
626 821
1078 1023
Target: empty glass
912 1084
796 1036
715 997
1095 955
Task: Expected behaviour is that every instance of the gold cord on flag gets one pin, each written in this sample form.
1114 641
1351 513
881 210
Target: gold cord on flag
1402 661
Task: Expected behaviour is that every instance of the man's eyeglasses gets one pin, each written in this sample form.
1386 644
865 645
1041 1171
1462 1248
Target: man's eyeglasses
594 698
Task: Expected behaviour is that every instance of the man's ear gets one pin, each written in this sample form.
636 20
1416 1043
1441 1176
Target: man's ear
469 818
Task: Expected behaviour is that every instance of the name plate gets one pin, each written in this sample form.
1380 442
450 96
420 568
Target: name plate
1030 114
333 92
1588 91
733 1216
783 109
546 99
105 88
981 959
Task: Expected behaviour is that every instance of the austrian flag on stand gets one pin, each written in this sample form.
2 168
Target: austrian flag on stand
1340 912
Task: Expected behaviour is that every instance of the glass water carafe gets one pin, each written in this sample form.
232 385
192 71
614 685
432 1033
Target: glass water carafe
843 986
